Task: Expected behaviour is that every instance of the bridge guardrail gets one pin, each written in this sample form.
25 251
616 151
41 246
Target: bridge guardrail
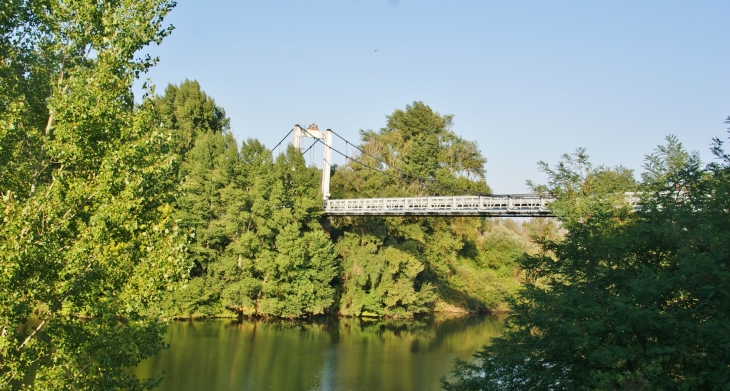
507 205
496 205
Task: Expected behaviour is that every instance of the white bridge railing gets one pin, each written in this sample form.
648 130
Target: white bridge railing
510 205
507 205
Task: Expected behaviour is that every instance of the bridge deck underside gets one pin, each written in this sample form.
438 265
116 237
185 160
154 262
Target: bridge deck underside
488 206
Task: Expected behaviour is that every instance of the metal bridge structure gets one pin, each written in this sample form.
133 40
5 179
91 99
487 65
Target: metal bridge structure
506 205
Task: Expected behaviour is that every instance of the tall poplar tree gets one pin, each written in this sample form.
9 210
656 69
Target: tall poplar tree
188 113
284 262
88 239
258 248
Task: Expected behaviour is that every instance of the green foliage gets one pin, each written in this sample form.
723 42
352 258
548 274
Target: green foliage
381 280
632 300
88 239
422 154
280 263
258 247
188 112
400 266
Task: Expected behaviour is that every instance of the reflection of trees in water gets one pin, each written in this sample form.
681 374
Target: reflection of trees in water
317 353
428 332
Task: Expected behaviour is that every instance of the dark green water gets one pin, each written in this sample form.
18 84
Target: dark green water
324 354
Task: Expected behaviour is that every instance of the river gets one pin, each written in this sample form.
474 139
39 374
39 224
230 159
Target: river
323 354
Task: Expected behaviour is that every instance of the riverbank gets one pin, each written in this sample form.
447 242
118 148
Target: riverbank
443 310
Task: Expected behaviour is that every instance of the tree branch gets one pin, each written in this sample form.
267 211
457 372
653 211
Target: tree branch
28 338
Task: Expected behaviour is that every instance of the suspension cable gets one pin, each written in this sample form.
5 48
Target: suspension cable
282 140
422 183
425 179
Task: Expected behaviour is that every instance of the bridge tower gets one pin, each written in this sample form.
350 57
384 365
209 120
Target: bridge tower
298 133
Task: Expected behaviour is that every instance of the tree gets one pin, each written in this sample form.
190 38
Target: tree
399 266
206 157
422 154
258 248
632 300
189 113
281 263
381 280
88 240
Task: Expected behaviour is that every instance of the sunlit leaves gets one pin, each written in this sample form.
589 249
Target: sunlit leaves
632 300
88 238
462 263
259 248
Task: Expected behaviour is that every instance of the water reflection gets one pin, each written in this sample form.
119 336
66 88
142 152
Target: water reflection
321 354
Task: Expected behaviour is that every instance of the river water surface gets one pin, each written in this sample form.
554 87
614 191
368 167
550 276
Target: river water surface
322 354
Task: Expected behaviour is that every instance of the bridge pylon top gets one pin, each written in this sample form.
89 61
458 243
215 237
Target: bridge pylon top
312 131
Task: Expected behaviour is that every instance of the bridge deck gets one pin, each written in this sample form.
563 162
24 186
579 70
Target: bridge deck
510 205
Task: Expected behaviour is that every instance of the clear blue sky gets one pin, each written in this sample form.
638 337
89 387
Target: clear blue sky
527 80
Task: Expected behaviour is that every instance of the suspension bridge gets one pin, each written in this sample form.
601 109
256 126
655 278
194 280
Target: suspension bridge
491 205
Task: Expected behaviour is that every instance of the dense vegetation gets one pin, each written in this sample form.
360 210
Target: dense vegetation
259 247
629 300
398 266
88 239
117 215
